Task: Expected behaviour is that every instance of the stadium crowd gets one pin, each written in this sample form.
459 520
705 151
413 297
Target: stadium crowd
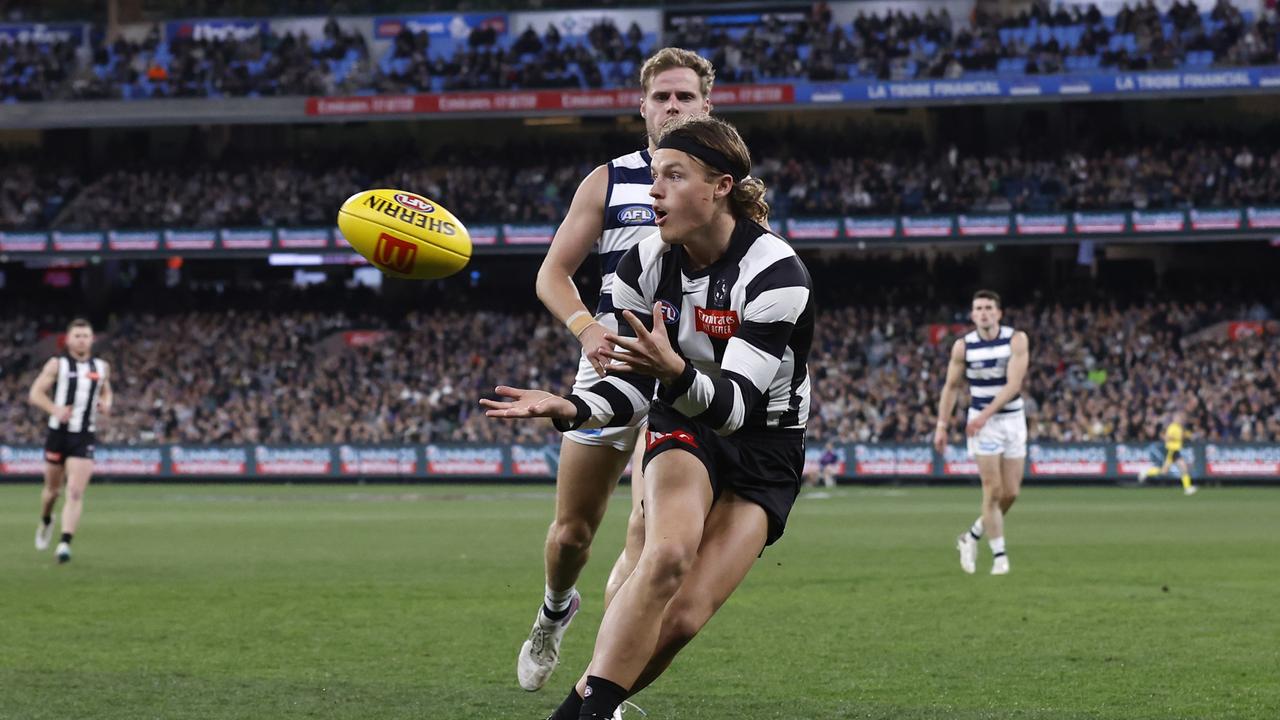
785 46
1099 372
802 180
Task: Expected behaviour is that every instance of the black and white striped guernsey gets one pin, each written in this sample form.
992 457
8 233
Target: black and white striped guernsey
79 384
628 216
744 324
986 367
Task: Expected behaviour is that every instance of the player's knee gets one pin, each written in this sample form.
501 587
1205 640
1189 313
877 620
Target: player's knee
572 536
635 525
1008 496
75 494
666 564
995 495
683 620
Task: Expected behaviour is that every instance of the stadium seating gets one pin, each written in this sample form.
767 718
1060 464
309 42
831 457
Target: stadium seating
1099 373
894 46
812 181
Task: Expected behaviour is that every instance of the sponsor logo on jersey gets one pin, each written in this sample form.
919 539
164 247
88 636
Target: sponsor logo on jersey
719 324
636 215
656 438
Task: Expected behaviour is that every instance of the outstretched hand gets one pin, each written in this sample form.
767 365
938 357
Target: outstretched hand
528 404
648 353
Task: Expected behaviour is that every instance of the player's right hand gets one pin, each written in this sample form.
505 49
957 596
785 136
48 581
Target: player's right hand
63 414
594 344
940 440
523 403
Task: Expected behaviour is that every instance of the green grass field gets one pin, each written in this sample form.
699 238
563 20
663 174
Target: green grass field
411 602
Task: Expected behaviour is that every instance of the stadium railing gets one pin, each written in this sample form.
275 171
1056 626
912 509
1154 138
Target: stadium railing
857 462
1251 222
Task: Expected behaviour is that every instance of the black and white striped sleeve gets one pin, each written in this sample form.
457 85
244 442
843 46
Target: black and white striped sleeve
622 399
774 301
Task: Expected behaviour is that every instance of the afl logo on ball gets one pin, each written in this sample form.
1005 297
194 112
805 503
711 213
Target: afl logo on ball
413 202
670 314
636 215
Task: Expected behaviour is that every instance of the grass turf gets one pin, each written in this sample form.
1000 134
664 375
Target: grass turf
410 602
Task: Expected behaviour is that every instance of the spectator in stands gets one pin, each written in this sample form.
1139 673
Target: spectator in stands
1102 372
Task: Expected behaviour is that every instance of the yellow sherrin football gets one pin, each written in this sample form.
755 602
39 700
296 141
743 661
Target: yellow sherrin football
404 234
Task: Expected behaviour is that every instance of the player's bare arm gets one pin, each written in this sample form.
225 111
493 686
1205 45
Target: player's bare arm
39 395
105 396
573 242
1018 359
950 390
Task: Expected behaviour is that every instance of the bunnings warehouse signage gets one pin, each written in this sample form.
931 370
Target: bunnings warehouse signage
1137 225
869 462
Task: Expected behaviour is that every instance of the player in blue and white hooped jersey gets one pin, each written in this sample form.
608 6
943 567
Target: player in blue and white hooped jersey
993 360
81 386
610 212
716 312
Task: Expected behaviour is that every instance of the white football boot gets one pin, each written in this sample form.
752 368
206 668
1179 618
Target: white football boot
540 654
64 552
968 548
1000 566
622 709
44 536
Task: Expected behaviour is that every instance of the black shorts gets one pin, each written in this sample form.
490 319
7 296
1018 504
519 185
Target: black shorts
761 466
60 445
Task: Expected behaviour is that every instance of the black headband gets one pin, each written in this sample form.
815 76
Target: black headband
715 159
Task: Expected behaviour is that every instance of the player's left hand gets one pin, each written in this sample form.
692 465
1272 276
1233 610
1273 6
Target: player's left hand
528 404
974 426
648 353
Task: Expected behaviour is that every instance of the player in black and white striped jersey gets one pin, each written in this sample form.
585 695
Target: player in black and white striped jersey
718 310
81 386
610 213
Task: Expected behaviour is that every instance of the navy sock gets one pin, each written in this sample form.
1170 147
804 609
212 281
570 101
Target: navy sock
66 538
554 614
46 519
601 699
570 708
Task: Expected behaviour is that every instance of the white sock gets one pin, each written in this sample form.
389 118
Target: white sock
997 546
557 600
976 529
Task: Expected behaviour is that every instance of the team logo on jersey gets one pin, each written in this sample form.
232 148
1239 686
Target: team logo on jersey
719 324
670 313
94 376
395 254
413 202
721 292
636 215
